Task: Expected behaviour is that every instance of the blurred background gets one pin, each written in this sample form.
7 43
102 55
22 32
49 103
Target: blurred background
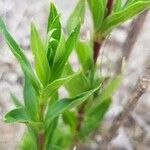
135 133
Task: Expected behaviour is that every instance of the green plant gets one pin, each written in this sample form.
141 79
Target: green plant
55 123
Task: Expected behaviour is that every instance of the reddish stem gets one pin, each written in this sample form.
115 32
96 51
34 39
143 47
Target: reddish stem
40 140
109 6
96 49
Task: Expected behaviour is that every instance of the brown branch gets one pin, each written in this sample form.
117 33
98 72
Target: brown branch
140 89
133 34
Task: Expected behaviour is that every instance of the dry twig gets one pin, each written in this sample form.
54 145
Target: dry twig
140 89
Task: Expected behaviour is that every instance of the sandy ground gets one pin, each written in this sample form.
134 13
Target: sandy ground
135 134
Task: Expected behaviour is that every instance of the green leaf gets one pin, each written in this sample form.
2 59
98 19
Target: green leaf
79 84
55 26
35 82
84 53
17 51
51 129
17 115
77 16
71 41
41 63
61 106
50 133
69 118
54 147
30 100
54 40
62 138
15 100
28 141
49 40
55 85
107 92
121 16
96 112
117 5
128 2
97 8
60 51
93 118
52 16
58 66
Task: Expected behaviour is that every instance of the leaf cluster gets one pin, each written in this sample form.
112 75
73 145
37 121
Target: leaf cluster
43 110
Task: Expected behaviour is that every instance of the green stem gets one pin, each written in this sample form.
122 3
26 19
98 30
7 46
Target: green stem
40 140
40 135
80 116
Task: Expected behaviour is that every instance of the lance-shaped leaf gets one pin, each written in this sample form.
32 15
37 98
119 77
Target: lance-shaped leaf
77 16
79 84
84 52
50 133
53 41
41 63
96 112
55 147
60 51
52 16
59 65
69 118
93 118
128 2
118 18
55 26
97 8
30 100
51 129
117 5
17 115
15 100
107 92
28 141
61 106
55 85
17 51
71 41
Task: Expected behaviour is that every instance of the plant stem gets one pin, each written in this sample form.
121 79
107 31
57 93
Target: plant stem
40 136
109 6
41 112
40 140
80 116
97 44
